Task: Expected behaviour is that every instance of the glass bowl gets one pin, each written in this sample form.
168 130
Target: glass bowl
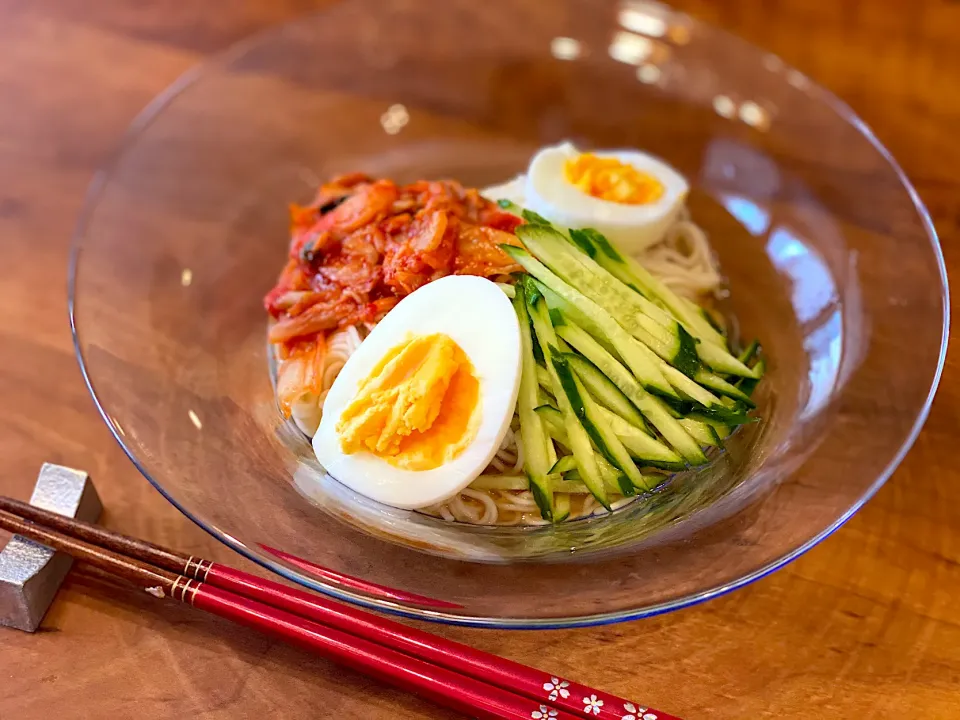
831 260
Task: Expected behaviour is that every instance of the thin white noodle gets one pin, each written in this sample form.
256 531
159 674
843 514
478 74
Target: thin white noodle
464 511
683 260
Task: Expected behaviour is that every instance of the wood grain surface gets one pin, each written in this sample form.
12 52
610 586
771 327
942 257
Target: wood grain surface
867 625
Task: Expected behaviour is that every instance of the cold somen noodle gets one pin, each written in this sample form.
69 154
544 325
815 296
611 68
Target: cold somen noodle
683 260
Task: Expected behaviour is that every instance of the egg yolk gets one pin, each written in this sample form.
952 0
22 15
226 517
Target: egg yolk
607 178
419 407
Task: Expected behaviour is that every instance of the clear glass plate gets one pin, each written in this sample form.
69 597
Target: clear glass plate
831 259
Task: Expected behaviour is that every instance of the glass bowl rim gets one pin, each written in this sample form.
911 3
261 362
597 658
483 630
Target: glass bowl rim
224 58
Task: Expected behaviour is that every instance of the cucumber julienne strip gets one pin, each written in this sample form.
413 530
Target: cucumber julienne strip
571 312
648 451
676 379
612 477
700 431
722 387
652 408
533 436
650 481
713 347
519 482
606 393
641 318
631 350
534 218
749 352
596 425
579 441
748 385
583 243
719 359
581 239
500 482
543 377
607 266
564 464
633 273
691 390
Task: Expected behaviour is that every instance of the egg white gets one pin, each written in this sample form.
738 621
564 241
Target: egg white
477 315
512 190
632 227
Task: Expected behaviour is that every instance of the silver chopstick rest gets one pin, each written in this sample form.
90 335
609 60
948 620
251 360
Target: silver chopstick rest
30 573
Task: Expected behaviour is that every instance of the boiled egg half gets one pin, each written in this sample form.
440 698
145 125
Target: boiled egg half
423 404
628 195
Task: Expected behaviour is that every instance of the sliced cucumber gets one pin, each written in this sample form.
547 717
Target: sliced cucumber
663 335
567 462
749 352
509 290
733 414
551 447
577 438
574 486
532 434
501 482
647 450
561 502
626 345
633 274
613 479
581 238
721 360
711 318
653 409
748 385
543 379
722 387
582 242
569 310
702 432
544 398
650 482
712 349
520 482
596 425
606 393
689 389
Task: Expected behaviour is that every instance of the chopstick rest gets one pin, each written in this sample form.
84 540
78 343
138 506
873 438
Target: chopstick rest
30 573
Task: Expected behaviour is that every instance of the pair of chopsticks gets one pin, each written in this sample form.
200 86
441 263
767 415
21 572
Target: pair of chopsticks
456 676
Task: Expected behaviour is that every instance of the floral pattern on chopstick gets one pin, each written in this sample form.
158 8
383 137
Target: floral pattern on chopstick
592 704
637 713
544 713
557 688
560 689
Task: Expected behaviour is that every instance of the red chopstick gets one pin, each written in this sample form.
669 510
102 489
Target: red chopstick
356 583
551 690
464 694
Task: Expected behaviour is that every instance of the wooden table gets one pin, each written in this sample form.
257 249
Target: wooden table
865 626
